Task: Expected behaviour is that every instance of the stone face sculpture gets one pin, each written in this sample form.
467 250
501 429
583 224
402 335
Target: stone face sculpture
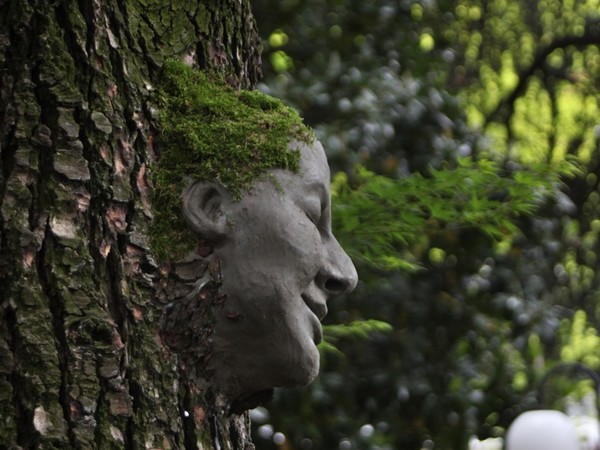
244 302
279 264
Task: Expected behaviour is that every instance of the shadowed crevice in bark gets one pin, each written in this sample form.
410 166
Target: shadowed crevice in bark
76 48
48 283
8 162
11 390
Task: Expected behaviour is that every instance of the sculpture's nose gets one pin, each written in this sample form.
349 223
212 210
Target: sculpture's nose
338 274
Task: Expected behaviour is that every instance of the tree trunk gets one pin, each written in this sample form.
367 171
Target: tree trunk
81 362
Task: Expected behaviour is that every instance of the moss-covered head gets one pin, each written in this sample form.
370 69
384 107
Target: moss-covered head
210 131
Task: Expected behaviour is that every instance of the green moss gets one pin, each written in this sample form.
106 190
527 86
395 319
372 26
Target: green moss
211 131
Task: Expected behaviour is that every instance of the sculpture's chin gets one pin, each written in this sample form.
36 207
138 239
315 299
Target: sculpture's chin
292 376
302 368
244 370
310 369
277 370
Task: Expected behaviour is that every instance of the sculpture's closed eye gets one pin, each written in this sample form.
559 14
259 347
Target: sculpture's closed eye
312 209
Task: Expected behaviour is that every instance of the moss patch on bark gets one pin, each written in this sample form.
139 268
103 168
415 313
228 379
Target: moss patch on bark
211 131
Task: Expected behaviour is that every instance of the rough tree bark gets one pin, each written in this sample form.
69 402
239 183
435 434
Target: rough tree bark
81 362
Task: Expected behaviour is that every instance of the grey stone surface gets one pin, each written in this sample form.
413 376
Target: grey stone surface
279 264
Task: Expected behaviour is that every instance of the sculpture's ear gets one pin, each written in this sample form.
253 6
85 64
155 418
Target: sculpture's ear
204 205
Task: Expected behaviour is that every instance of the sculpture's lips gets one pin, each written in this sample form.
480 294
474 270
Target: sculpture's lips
319 309
318 335
316 306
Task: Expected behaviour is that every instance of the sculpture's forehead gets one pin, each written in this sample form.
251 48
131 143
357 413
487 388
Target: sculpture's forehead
313 163
312 175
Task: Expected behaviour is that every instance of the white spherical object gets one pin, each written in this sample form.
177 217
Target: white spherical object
542 430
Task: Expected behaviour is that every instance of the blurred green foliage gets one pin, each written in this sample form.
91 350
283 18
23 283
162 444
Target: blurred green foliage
381 219
473 219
